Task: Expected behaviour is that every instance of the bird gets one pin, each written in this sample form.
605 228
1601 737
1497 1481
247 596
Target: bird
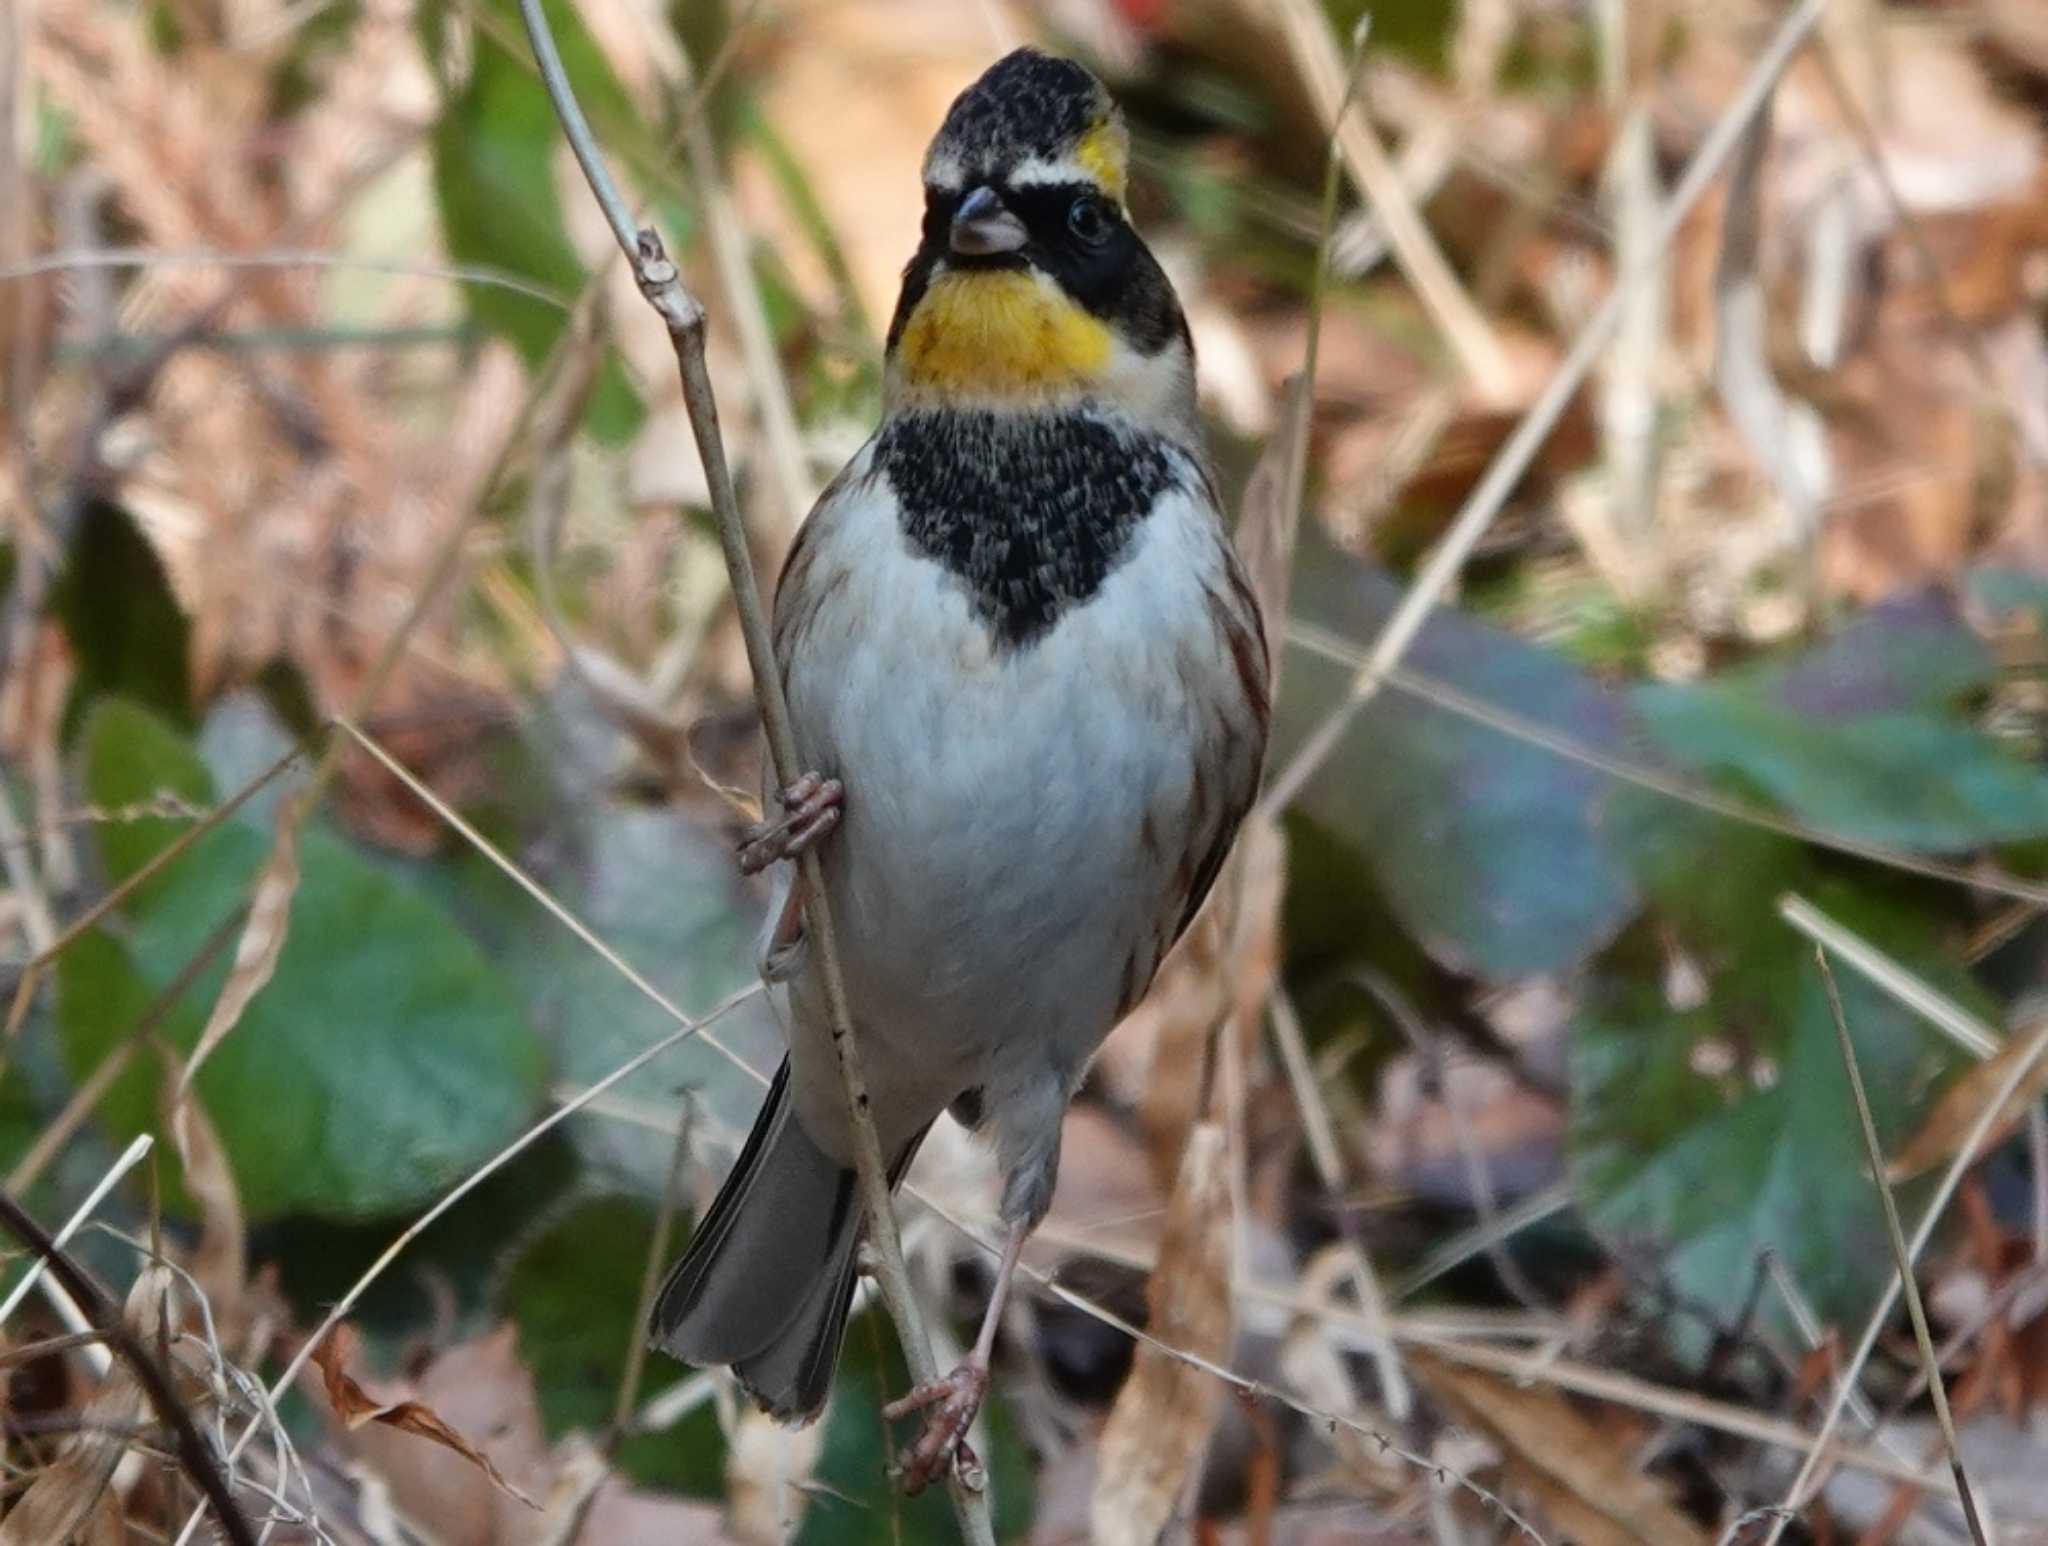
1029 684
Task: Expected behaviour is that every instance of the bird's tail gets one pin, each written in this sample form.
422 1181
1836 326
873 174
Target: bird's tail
769 1274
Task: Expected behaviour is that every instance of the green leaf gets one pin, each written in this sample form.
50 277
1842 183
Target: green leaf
662 891
1864 735
1488 849
1914 652
574 1290
1904 780
384 1060
494 149
127 632
1704 1134
453 1271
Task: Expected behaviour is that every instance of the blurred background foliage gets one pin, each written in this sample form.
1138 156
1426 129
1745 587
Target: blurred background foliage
327 400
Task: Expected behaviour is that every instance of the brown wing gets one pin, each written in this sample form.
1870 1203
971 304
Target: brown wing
1240 726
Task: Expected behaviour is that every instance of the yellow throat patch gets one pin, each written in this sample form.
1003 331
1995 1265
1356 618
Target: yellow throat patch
1000 333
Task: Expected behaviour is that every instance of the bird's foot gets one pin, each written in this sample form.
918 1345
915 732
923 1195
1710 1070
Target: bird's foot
950 1403
811 809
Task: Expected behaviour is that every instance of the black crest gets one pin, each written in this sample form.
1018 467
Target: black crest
1025 104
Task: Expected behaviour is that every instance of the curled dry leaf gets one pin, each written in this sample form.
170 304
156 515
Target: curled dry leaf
220 1264
1585 1475
69 1493
356 1407
256 956
1962 1105
1163 1416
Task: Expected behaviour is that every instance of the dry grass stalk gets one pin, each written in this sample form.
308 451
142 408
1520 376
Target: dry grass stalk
195 1457
1930 1365
1320 62
256 957
70 1489
1806 1483
1163 1415
1513 459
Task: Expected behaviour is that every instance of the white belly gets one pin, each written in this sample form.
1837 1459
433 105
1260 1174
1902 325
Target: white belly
994 872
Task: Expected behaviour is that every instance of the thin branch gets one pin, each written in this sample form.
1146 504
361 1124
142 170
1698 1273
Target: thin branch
684 317
194 1456
1514 457
1867 1125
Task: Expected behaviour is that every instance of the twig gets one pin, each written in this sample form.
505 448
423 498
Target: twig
1910 1285
197 1460
1799 1493
684 317
1513 459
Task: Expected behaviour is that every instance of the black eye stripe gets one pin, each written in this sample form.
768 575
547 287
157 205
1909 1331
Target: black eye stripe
1113 277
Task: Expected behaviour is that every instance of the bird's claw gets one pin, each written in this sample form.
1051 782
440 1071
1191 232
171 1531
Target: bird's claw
950 1403
811 809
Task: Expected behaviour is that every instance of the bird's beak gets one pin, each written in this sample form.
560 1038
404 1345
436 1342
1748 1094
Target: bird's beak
983 226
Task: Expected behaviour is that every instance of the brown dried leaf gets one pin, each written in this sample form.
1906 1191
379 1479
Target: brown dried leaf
256 954
1963 1103
65 1496
1585 1475
220 1264
355 1407
1163 1416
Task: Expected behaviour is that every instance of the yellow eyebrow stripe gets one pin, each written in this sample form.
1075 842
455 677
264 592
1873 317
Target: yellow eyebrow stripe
1104 153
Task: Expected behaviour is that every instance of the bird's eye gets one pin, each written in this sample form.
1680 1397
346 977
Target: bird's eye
1089 219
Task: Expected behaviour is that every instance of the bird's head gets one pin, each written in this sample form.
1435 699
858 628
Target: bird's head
1029 287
